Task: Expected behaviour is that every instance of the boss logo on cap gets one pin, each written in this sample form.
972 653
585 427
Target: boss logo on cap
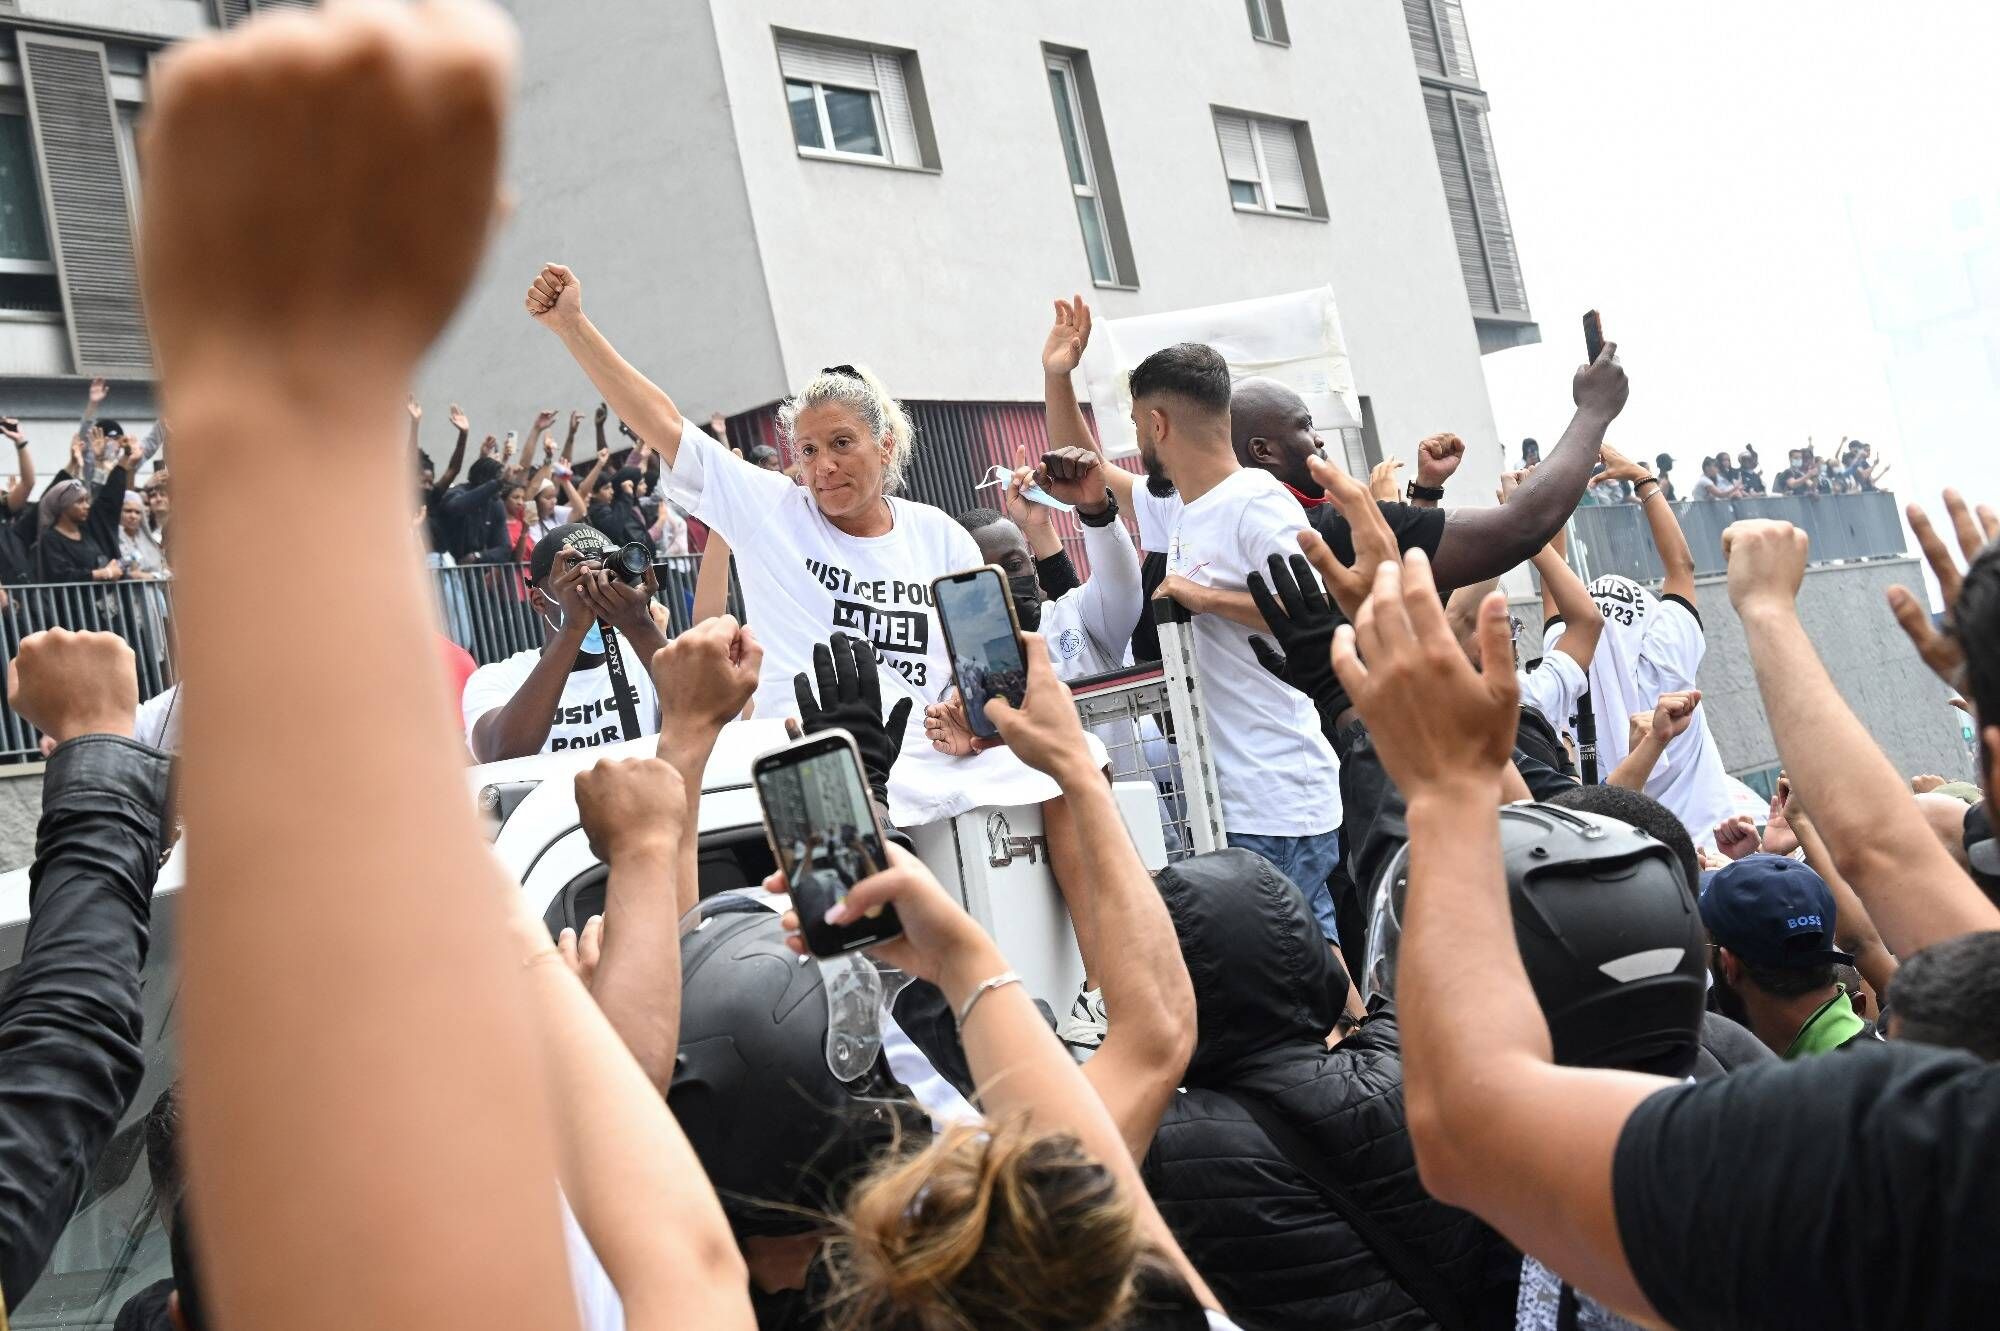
1802 921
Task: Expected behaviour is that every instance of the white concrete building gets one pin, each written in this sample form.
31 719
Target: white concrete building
752 189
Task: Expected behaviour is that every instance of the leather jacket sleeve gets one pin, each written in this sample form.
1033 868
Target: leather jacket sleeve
70 1021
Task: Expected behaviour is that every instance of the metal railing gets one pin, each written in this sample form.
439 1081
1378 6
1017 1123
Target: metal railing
483 608
1614 538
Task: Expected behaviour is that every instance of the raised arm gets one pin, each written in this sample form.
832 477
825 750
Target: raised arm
24 482
1675 558
286 337
545 470
1855 930
1020 1068
1133 953
711 581
464 427
637 1188
1062 414
99 391
1564 593
1860 804
704 677
1482 543
556 302
1671 716
582 501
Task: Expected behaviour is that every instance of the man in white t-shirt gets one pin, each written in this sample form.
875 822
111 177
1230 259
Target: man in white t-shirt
1653 645
1278 776
562 696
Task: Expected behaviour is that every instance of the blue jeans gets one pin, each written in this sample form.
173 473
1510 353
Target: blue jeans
1308 861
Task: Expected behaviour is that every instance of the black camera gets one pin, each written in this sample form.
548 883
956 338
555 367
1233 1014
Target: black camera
629 563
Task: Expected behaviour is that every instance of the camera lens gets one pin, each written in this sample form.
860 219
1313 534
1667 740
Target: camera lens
631 561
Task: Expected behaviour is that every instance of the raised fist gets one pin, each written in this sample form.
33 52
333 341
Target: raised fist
67 684
293 172
1438 458
556 298
1075 476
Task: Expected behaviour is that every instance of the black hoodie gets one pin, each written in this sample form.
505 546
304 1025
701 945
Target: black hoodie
1267 990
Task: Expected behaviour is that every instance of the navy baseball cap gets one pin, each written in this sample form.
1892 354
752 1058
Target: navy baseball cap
1772 911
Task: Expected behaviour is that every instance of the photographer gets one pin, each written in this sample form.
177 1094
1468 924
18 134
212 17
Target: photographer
561 697
70 1057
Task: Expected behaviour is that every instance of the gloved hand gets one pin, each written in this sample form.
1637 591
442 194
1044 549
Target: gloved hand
850 699
1302 620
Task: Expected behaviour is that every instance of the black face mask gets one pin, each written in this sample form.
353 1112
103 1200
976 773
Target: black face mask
1026 590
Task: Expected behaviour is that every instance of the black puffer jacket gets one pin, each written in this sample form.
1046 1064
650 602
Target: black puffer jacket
1266 993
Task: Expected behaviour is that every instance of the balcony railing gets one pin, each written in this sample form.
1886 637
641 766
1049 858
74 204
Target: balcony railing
1615 538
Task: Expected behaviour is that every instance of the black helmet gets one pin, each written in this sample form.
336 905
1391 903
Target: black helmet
1608 932
779 1134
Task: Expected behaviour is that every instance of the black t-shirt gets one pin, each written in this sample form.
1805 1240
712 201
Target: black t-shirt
1856 1189
1415 528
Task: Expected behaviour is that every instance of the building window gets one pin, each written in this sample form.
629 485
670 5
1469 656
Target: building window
1269 165
1478 207
27 267
1444 48
854 103
1267 21
1075 119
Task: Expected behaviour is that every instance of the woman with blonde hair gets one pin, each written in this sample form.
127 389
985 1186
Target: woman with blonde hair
837 552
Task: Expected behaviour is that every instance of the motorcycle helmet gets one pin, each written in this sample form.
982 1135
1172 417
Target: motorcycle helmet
1608 932
779 1107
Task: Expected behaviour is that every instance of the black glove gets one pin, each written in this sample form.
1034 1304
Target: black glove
850 699
1303 621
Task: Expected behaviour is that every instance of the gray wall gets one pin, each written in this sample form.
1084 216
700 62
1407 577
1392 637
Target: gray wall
1903 705
653 152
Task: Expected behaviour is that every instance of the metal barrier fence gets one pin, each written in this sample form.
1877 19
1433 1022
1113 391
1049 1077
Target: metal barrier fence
1614 538
484 609
139 612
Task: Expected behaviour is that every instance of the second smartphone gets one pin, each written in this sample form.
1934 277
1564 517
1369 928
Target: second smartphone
823 832
984 640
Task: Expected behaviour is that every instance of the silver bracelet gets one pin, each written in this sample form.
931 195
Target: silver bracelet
1000 981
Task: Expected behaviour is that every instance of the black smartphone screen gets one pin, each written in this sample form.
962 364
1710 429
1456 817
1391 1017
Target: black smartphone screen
825 837
986 657
1593 336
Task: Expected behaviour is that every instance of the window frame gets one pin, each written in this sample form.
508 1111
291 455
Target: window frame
1077 132
14 102
1315 209
1272 13
874 97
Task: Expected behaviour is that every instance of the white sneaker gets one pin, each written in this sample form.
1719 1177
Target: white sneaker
1083 1029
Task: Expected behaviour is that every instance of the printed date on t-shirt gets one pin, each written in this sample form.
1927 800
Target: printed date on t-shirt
891 631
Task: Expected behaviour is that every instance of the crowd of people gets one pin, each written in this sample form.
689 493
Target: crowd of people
1852 469
1505 1005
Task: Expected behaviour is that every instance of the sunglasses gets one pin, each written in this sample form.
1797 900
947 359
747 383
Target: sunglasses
844 371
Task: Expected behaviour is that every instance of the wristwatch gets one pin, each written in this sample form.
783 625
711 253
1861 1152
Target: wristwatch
1104 518
1434 493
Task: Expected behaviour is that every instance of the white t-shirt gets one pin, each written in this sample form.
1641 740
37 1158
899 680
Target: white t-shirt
1552 689
586 717
1653 645
1088 629
157 724
1278 774
541 527
803 579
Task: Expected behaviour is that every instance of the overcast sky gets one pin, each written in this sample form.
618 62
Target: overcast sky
1729 183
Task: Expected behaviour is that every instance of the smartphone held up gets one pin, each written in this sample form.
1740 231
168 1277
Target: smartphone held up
825 836
984 639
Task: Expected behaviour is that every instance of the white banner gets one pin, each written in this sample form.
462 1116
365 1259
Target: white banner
1293 338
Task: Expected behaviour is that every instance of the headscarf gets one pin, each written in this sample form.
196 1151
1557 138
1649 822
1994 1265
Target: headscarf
59 497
